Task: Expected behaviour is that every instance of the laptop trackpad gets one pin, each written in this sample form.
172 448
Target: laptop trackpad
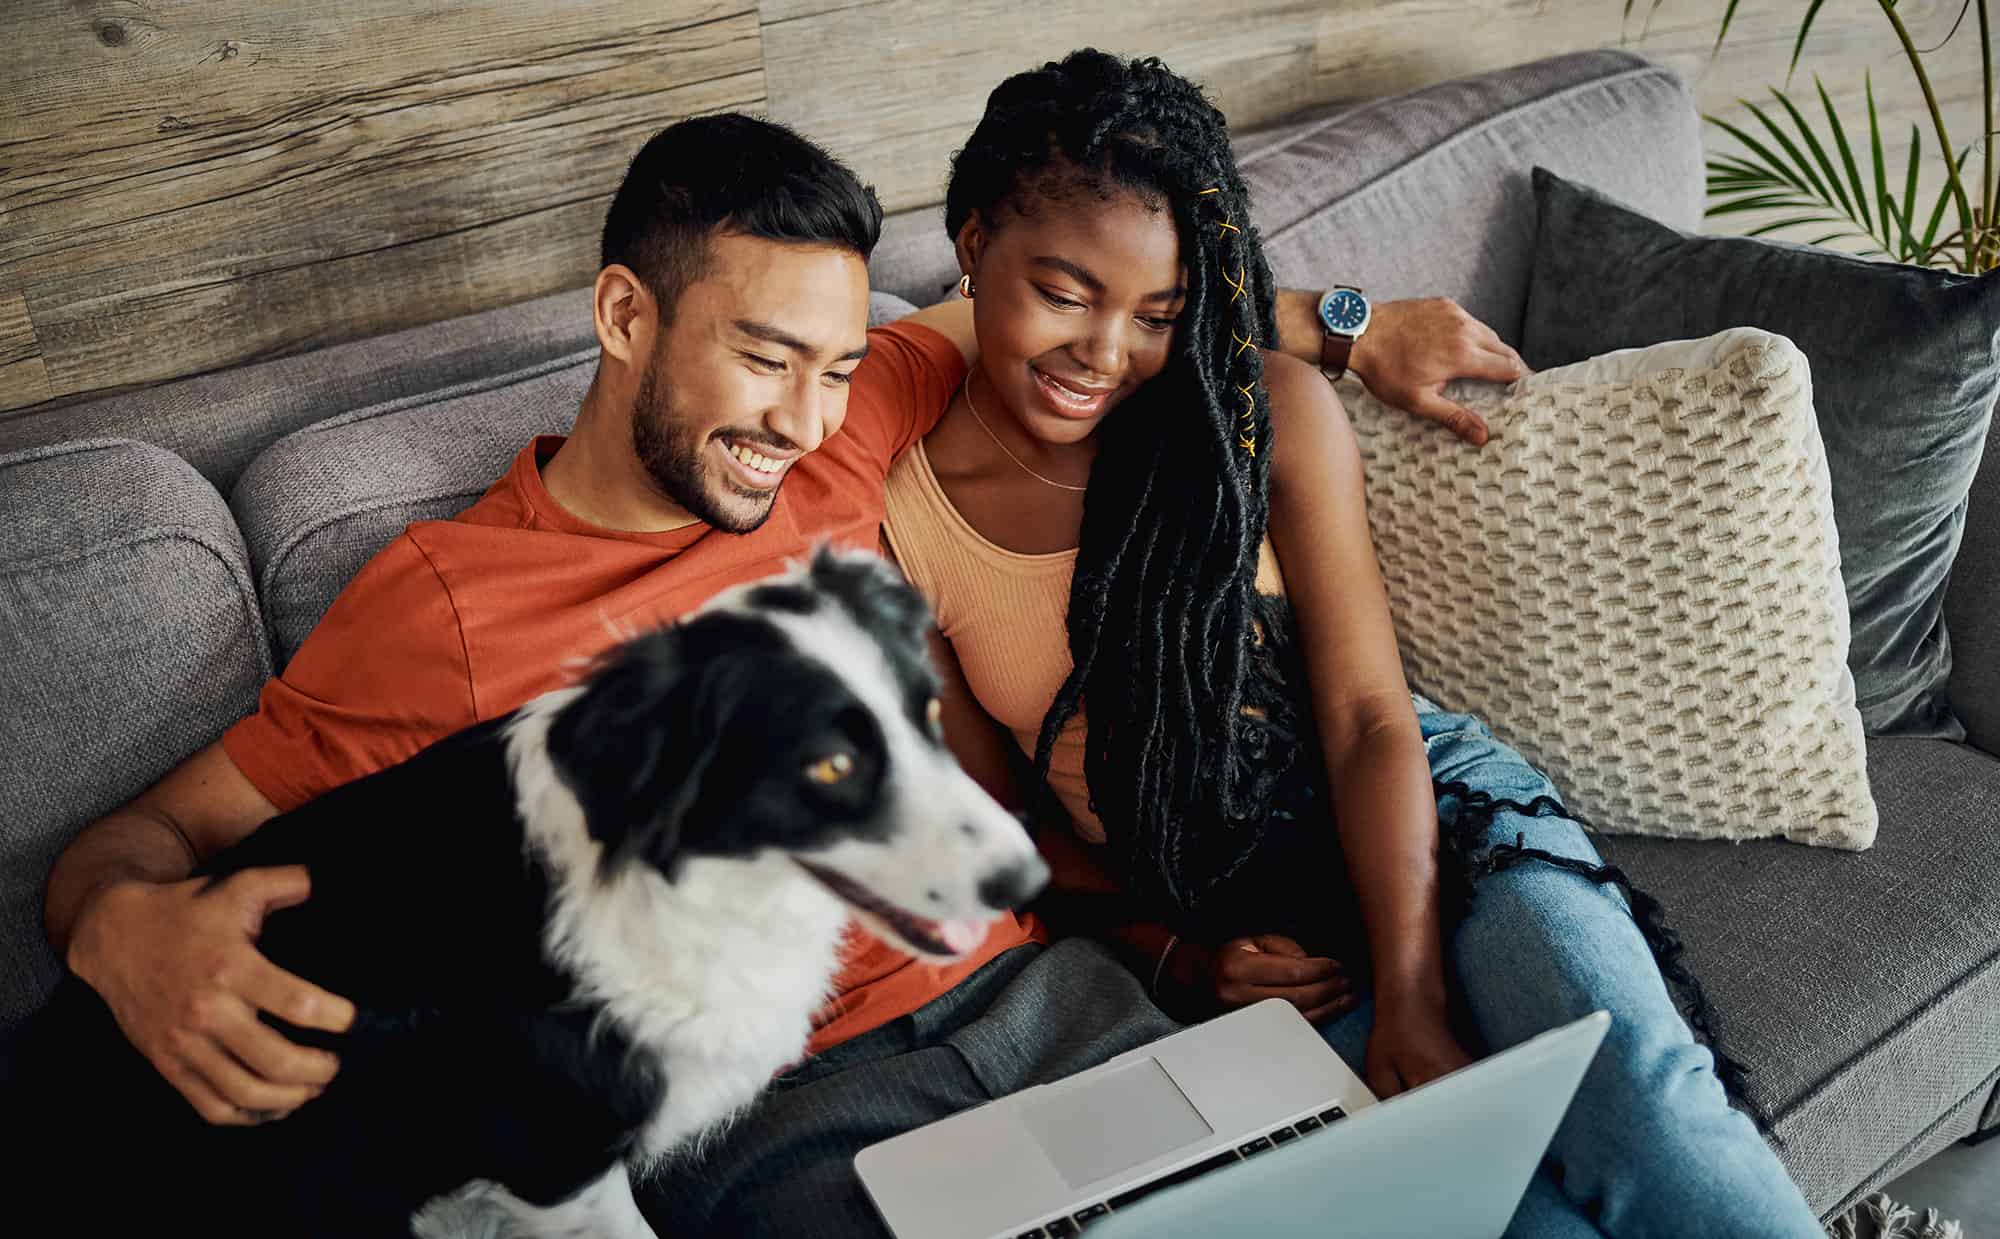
1112 1121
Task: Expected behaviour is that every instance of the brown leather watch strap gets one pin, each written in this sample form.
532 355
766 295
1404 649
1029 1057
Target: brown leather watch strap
1333 354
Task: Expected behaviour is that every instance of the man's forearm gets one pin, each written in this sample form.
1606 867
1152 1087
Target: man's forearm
1299 330
129 845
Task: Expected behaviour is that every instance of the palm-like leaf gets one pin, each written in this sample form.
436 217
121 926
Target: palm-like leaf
1790 168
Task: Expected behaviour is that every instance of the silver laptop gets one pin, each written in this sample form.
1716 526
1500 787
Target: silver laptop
1248 1123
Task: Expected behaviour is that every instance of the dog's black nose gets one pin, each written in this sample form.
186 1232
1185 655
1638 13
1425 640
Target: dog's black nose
1013 886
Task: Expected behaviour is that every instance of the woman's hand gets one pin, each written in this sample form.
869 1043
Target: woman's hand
1207 980
1412 1044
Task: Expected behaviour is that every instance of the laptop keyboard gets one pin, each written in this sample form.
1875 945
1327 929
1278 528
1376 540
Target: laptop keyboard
1058 1228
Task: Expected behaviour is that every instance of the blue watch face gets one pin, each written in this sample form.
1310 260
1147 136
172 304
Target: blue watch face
1344 310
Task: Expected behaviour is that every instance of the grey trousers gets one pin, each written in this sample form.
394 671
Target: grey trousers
1031 1015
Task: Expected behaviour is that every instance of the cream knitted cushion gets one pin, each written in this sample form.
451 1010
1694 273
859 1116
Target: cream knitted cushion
1636 583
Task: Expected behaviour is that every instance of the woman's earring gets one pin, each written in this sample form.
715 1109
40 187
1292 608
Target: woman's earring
965 287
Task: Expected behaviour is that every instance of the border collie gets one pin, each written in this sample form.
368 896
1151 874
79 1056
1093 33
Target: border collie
579 936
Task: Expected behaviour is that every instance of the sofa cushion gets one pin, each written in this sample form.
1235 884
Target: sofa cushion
1970 603
1862 990
1636 583
129 638
1906 366
320 502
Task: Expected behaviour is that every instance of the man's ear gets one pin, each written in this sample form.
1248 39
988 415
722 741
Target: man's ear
635 746
624 315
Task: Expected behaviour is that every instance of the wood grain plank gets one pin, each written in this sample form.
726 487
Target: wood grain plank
916 82
209 147
23 377
919 71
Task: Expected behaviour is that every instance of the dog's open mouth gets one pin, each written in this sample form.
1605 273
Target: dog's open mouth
946 939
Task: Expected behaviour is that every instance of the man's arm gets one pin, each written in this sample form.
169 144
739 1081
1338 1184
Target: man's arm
952 319
1410 351
177 961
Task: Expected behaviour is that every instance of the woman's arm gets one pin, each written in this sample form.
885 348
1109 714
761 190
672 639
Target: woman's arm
1191 979
1375 758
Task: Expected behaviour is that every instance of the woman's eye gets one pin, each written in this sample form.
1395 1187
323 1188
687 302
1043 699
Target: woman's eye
1060 303
830 770
1161 325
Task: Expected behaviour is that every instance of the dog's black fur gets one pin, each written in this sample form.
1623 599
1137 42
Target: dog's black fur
474 1057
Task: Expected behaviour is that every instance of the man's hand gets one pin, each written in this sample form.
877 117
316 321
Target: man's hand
1411 1044
1246 970
1413 348
180 970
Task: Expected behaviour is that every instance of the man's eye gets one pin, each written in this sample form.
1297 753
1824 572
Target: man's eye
769 365
842 377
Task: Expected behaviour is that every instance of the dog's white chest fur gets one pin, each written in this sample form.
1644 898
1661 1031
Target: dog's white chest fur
718 972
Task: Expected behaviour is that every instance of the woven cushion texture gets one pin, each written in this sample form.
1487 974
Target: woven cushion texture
1637 583
129 638
1906 362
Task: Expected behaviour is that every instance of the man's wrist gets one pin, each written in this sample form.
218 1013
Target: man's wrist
1300 332
82 948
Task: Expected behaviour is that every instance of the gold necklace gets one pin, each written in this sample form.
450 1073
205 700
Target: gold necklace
973 409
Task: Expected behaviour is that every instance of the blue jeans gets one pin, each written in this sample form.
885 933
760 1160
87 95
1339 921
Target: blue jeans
1650 1146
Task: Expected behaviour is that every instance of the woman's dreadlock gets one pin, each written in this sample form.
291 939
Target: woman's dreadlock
1162 603
1192 683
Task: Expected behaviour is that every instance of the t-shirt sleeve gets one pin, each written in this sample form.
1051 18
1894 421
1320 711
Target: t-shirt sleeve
382 675
901 389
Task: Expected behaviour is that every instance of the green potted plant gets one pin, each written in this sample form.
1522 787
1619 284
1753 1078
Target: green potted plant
1791 169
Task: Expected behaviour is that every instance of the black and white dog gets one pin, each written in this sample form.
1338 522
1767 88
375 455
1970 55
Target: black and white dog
580 936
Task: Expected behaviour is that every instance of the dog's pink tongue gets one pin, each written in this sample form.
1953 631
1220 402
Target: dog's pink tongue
962 936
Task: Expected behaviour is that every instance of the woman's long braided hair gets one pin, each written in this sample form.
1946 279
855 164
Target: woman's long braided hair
1163 599
1169 638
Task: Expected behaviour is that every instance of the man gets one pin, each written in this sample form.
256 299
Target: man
732 422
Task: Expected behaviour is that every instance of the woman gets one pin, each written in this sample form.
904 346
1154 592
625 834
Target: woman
1145 540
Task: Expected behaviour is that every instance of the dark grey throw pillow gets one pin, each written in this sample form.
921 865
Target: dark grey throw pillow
1905 366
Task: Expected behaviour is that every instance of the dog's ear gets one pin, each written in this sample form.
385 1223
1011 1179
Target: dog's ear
635 746
872 591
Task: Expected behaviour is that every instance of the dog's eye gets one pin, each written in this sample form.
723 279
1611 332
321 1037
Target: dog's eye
830 770
934 712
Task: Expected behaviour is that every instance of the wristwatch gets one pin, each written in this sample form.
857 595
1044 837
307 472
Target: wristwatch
1343 315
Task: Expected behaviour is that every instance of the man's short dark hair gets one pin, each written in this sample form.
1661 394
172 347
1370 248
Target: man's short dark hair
730 173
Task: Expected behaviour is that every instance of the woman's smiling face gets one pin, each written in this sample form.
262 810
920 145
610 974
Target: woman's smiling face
1075 306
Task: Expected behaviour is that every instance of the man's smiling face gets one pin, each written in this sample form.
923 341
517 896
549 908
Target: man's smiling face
750 373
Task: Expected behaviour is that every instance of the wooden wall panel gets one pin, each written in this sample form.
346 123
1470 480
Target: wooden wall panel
188 185
896 85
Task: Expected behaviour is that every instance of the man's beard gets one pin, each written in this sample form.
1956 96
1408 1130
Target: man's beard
672 457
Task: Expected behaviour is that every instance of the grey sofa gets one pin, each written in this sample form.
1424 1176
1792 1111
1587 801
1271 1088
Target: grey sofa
140 609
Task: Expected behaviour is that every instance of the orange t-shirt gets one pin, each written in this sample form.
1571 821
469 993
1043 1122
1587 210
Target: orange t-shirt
460 621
